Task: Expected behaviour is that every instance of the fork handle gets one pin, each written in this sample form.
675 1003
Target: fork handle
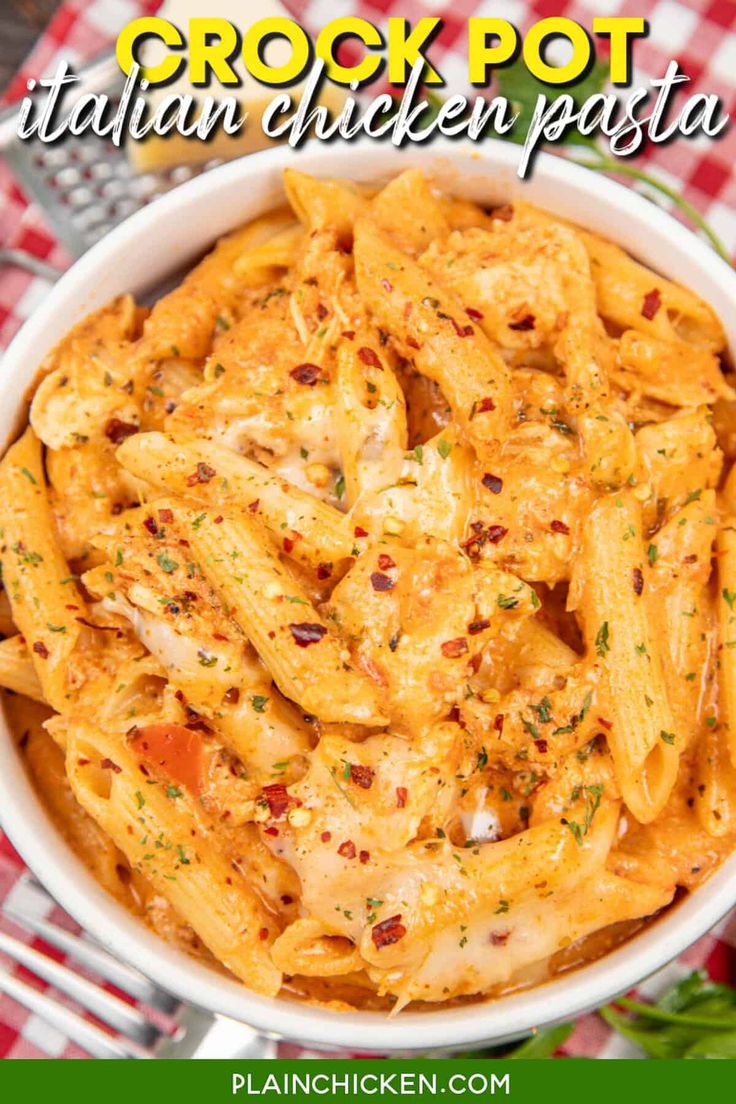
92 1039
18 258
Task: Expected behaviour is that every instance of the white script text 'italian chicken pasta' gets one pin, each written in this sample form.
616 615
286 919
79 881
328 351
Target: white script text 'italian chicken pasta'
369 603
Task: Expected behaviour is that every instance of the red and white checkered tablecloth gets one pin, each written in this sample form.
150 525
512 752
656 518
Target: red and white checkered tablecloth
701 34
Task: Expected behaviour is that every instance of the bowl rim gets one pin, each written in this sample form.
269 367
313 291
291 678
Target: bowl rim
36 839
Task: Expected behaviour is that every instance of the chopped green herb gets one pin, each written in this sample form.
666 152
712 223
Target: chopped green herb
601 640
166 563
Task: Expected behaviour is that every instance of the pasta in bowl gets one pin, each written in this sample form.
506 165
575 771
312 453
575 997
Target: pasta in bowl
365 586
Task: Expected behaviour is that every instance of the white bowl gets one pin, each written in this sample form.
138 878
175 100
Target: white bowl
135 257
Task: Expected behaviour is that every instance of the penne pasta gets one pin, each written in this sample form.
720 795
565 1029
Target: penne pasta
431 328
46 605
680 558
279 620
409 211
159 836
726 551
371 419
376 593
305 527
618 628
17 672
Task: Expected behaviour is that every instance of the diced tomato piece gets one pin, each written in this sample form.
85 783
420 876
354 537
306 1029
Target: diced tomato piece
175 750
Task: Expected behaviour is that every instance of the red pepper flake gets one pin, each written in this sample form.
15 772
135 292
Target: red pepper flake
263 934
499 939
496 533
388 932
218 520
347 850
387 285
40 649
476 315
606 724
326 837
254 506
364 856
278 799
288 544
286 899
322 311
151 526
461 331
324 570
117 431
379 581
479 626
541 745
637 580
369 357
525 323
412 342
498 722
167 516
272 831
306 633
83 762
231 696
203 474
651 304
307 374
348 334
492 483
408 307
453 649
361 776
559 527
482 406
107 764
385 562
359 531
401 795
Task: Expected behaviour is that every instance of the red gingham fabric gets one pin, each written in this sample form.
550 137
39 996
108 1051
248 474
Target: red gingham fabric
701 34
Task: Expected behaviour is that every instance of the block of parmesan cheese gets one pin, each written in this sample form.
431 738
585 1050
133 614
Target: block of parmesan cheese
159 152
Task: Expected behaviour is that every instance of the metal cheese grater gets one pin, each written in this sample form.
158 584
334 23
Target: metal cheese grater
84 186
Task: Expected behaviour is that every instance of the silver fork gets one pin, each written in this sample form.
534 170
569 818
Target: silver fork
160 1027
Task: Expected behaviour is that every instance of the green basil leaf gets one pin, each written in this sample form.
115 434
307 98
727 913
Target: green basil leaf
544 1043
718 1044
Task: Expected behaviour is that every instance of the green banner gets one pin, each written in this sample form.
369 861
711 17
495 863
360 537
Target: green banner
453 1080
